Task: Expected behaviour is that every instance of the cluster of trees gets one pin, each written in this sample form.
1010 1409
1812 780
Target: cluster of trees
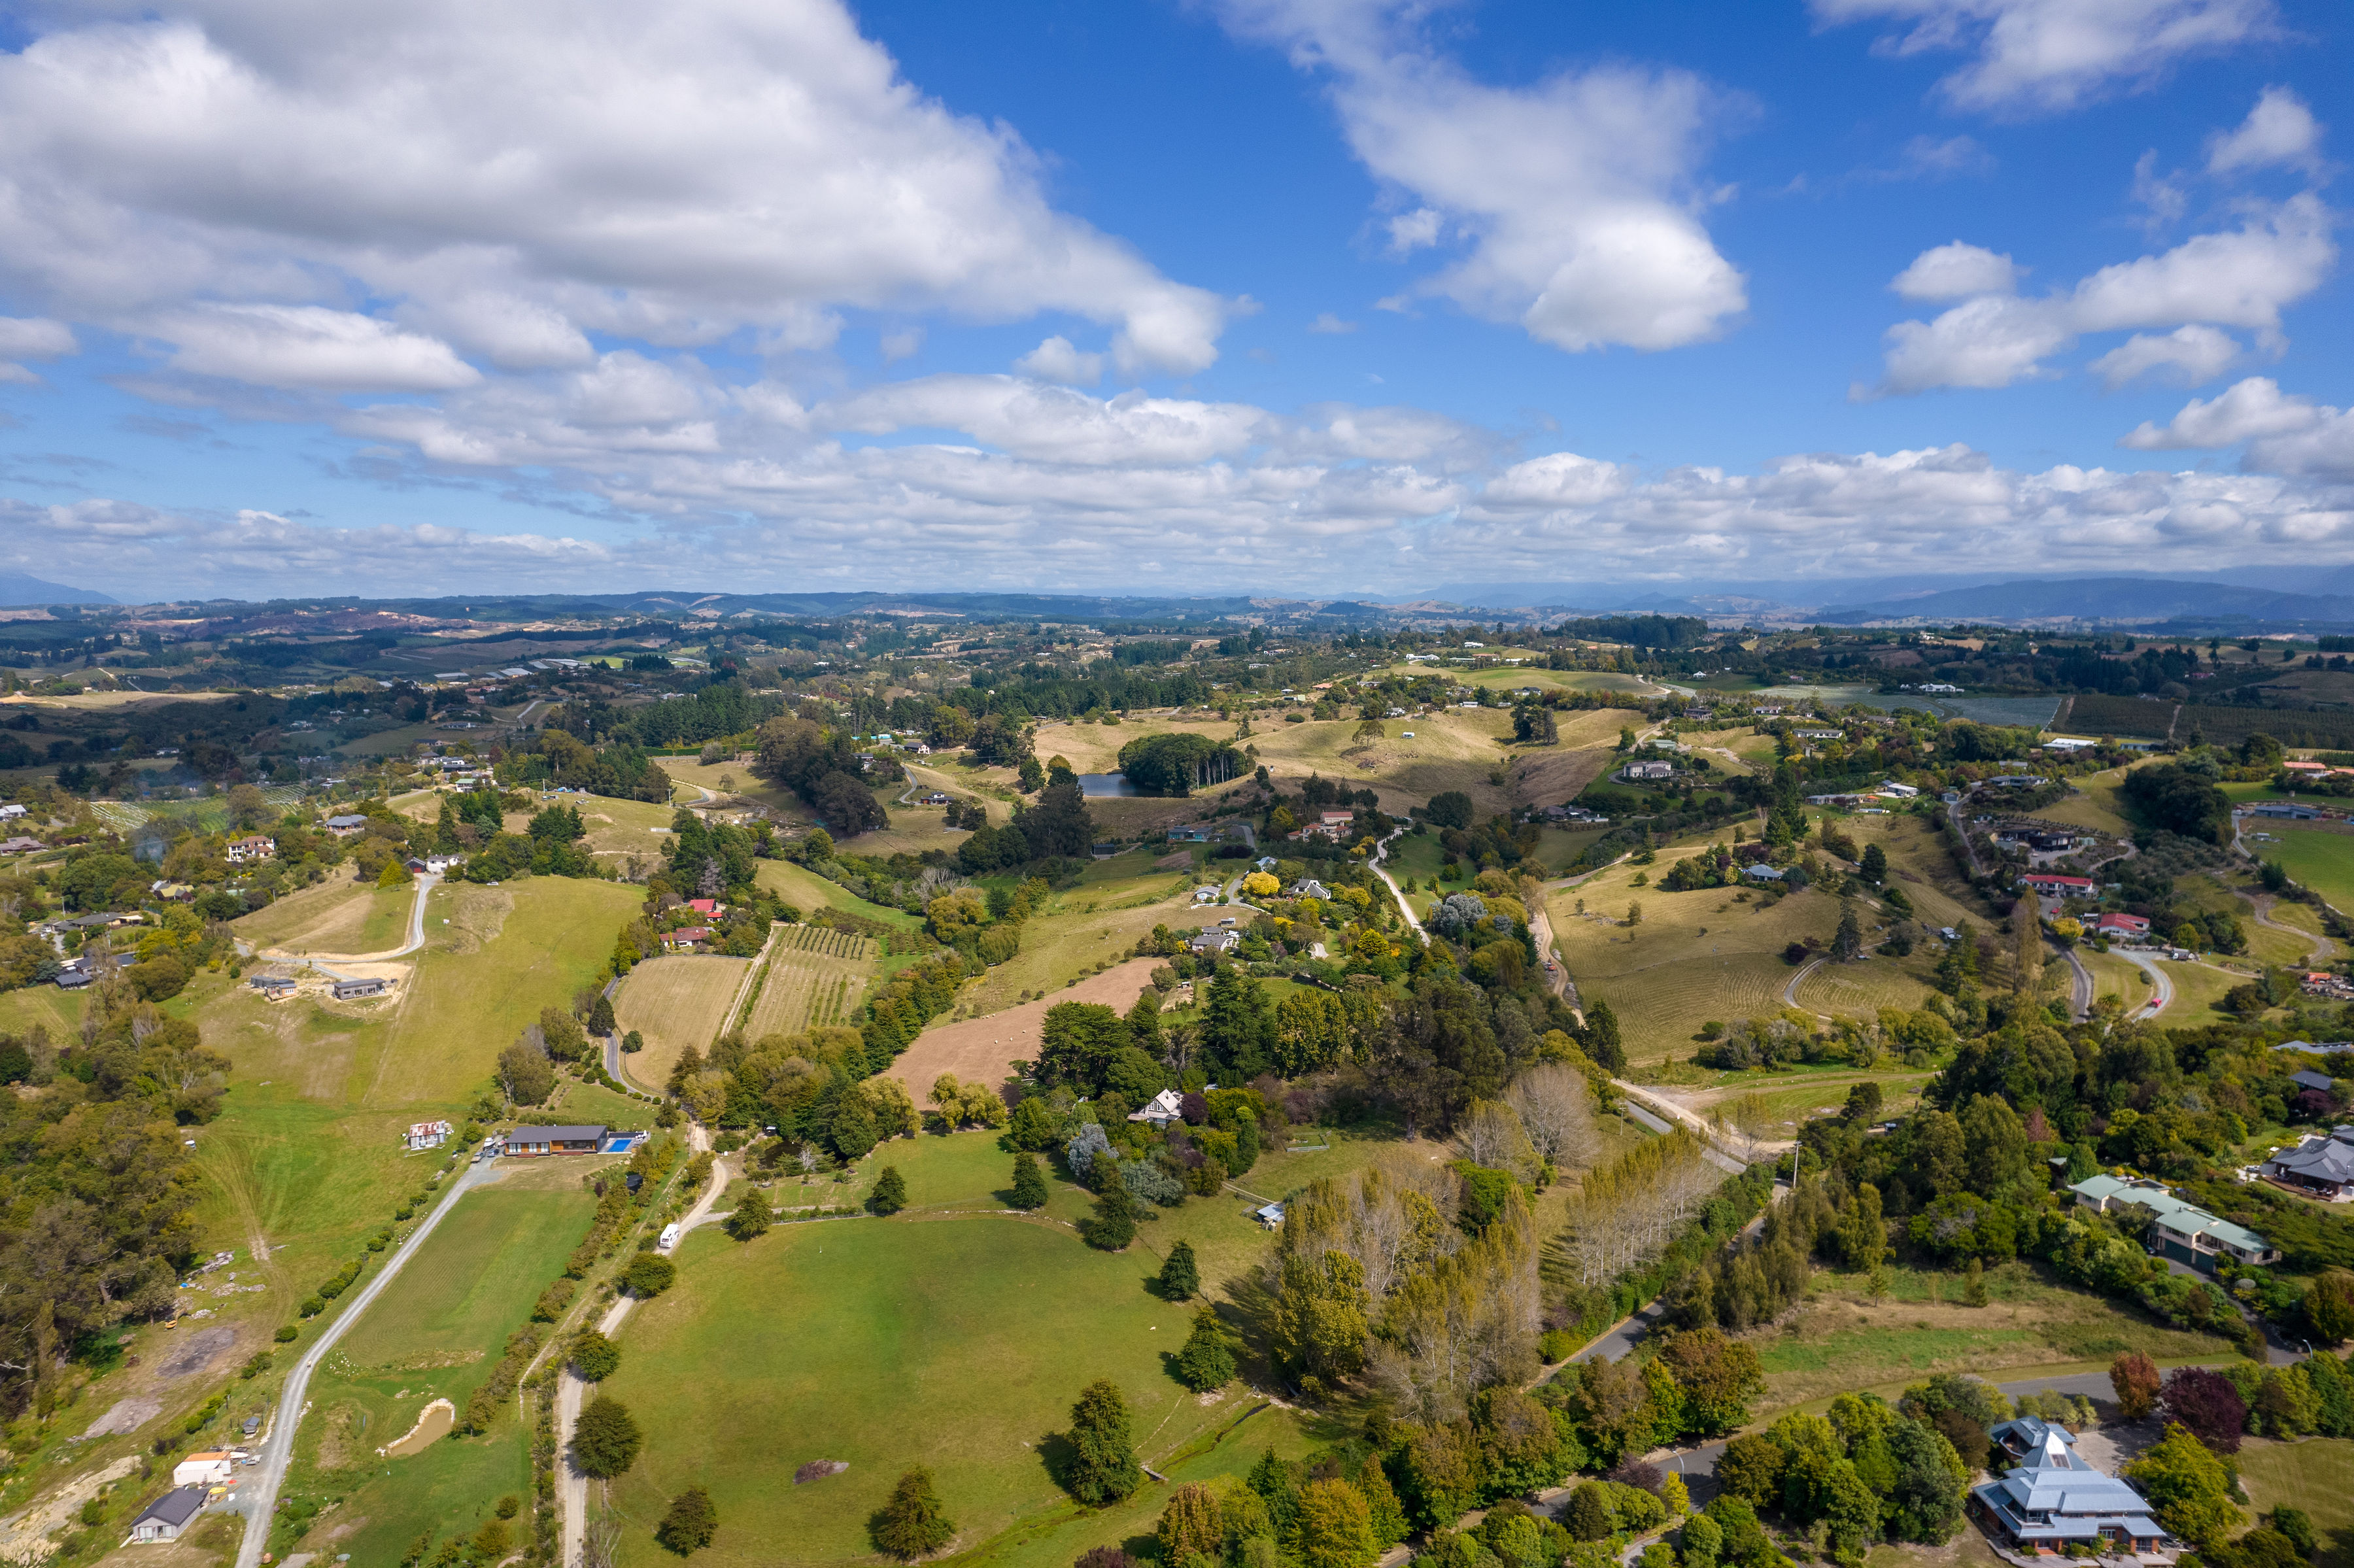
98 1186
824 768
1869 1470
1055 826
1966 1176
817 1089
1179 762
559 758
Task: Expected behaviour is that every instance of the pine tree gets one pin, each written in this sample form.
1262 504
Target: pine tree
890 1194
601 1015
1602 1042
1974 1284
1180 1276
691 1522
1875 863
1029 1181
912 1524
1103 1467
1207 1361
1114 1225
1847 944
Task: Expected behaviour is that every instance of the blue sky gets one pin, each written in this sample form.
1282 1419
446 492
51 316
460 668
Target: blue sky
1294 296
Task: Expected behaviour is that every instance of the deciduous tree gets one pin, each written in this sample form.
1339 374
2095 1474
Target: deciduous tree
605 1439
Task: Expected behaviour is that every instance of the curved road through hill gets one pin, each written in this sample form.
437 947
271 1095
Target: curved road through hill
2162 982
425 886
259 1497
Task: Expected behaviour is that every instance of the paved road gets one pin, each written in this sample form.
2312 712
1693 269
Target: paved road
572 1485
2080 995
258 1496
2162 982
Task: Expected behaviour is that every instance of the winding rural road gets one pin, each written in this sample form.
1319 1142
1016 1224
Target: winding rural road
2080 988
1790 991
571 1484
2159 979
259 1497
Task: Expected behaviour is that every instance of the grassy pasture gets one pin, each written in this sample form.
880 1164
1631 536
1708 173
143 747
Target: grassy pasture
1841 1340
808 893
337 916
2098 804
436 1333
492 958
2317 1475
676 1001
42 1006
947 1336
1860 991
816 975
2318 858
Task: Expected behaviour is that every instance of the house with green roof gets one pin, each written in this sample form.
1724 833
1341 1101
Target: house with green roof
2181 1230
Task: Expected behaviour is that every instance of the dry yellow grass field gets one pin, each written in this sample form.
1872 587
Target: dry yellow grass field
337 916
1707 956
2095 806
816 975
675 1001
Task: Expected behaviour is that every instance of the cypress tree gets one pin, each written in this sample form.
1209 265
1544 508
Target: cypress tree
1114 1225
890 1194
1180 1276
601 1015
912 1524
1207 1362
1029 1181
1104 1468
1602 1042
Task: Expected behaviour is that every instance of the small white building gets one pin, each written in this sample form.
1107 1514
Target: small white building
211 1469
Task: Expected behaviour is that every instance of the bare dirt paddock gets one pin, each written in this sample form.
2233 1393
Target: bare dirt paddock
983 1050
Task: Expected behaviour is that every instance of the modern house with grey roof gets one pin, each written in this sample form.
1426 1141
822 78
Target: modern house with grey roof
2317 1167
168 1515
2181 1230
2053 1499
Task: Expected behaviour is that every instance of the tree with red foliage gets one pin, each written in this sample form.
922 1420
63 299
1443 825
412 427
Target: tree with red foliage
2135 1377
2206 1403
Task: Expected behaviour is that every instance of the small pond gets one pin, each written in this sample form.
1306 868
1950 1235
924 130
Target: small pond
1107 784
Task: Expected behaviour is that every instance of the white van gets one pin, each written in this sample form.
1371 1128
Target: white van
669 1237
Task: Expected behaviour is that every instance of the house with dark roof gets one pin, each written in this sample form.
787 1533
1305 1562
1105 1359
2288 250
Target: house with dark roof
2318 1167
169 1514
536 1140
2053 1497
1213 943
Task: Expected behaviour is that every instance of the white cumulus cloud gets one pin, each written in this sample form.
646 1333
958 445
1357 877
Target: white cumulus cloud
312 347
2030 57
1956 271
1576 197
2241 278
2279 131
513 179
2257 407
2186 356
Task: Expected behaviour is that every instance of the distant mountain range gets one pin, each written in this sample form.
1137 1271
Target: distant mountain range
19 593
2102 598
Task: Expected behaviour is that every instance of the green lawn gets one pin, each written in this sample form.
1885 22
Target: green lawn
485 974
2316 1475
2316 857
951 1337
436 1333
